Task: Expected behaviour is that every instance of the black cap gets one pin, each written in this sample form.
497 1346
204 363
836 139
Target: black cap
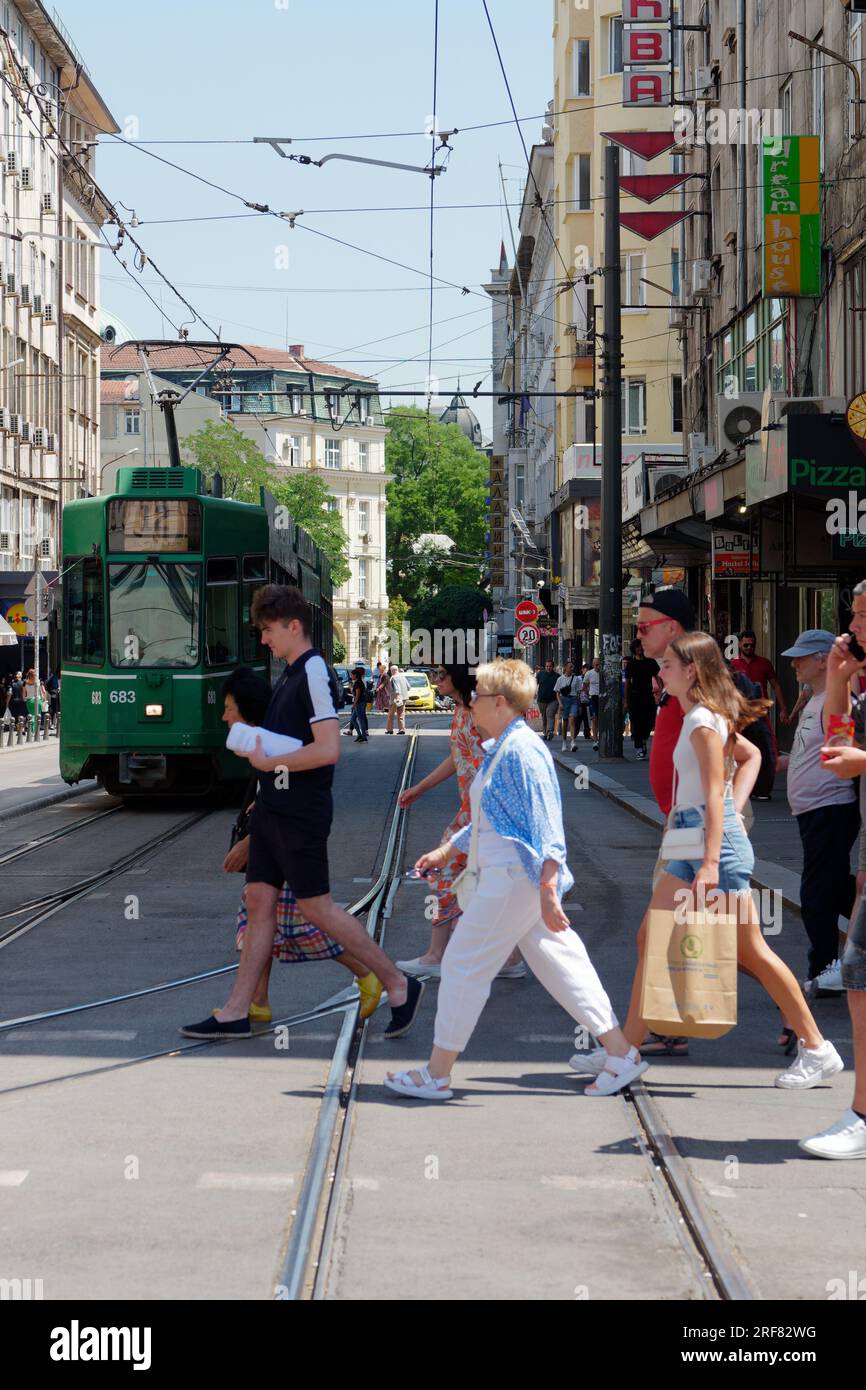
672 603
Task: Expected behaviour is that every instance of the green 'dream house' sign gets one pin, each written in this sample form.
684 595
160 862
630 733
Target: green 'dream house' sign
791 185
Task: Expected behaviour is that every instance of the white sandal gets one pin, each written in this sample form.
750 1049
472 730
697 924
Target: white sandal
430 1089
618 1072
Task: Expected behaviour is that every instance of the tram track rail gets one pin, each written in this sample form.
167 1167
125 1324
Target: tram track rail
346 1000
715 1268
51 903
30 847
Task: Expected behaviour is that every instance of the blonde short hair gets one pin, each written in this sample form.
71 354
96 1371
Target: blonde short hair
514 680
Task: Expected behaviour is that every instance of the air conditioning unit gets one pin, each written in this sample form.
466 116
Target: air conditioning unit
4 418
664 476
702 279
584 347
14 422
37 304
362 603
50 111
45 549
739 418
38 439
10 283
50 442
807 405
677 316
5 540
11 161
47 202
26 178
24 431
367 537
696 445
25 294
703 82
48 313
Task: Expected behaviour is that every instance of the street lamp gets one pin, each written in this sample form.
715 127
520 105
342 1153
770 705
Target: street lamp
109 462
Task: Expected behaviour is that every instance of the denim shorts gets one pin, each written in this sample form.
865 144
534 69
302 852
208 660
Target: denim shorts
569 707
736 856
854 956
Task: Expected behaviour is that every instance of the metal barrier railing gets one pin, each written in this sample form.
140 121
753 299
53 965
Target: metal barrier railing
16 732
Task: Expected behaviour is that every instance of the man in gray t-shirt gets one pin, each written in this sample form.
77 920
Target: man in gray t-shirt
827 814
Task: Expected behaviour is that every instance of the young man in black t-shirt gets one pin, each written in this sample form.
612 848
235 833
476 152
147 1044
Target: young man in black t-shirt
291 822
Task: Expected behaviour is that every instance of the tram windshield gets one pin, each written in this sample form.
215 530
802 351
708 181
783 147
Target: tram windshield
154 613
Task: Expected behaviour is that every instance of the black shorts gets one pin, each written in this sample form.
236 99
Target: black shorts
283 850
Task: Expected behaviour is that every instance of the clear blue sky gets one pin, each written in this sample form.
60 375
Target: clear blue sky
214 70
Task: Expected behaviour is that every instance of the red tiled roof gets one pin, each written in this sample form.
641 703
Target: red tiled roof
189 356
119 390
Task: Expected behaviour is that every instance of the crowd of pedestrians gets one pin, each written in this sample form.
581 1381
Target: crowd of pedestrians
499 873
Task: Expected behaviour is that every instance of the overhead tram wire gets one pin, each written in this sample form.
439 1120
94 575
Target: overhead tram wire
90 180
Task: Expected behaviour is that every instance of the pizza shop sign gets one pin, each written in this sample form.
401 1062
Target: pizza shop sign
646 53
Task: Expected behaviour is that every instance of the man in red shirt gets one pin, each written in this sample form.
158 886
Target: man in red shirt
760 670
664 616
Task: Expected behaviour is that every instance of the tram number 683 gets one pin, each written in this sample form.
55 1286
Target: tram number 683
122 697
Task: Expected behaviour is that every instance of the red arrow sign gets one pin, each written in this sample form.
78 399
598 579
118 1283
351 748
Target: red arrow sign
652 224
650 187
646 143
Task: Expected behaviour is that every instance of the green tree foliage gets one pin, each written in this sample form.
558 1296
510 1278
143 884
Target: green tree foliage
225 450
438 486
245 470
339 651
305 495
454 606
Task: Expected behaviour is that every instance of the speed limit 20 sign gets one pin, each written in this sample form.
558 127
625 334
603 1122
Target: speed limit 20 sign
526 611
527 635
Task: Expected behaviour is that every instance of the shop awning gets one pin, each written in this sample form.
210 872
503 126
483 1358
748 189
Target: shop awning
8 637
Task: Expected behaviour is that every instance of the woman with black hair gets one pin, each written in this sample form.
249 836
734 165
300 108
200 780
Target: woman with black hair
246 697
464 758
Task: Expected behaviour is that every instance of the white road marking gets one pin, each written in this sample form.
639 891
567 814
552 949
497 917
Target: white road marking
569 1182
13 1177
548 1038
365 1184
364 878
246 1182
77 1035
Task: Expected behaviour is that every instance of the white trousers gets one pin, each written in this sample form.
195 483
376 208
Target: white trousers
505 912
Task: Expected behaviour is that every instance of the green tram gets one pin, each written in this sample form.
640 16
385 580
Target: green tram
157 583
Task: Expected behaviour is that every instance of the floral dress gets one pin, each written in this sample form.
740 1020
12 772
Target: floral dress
382 698
468 755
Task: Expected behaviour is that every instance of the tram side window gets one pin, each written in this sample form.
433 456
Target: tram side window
255 574
84 616
222 611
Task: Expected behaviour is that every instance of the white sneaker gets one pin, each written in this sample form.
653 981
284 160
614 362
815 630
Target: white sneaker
512 972
830 977
564 746
845 1139
812 1066
591 1063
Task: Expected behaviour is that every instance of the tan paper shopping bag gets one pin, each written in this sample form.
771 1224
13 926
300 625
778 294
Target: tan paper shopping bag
690 975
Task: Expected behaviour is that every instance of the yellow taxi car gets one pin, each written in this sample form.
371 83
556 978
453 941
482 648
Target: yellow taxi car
421 694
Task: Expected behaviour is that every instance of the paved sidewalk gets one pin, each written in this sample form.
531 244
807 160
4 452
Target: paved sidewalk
30 777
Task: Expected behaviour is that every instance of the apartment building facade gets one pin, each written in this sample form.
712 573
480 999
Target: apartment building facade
50 214
768 375
301 414
588 101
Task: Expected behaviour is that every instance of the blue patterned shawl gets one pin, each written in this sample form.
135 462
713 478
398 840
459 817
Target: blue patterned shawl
522 802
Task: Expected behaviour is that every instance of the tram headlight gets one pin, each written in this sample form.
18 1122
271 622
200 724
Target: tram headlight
153 711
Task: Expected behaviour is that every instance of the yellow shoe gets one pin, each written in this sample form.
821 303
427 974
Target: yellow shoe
261 1013
370 990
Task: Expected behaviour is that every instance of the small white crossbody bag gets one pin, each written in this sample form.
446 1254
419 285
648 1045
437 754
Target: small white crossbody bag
685 843
466 883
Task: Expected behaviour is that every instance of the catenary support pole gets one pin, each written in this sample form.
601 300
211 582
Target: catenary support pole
610 589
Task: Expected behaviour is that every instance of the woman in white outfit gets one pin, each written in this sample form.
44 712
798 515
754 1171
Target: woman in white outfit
519 849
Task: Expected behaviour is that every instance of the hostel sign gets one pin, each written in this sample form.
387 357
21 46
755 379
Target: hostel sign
498 508
646 52
792 218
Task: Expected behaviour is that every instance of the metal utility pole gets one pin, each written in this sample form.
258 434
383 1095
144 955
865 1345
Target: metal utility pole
610 593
